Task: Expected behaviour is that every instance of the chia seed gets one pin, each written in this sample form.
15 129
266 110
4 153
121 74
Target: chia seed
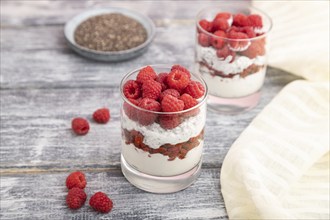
110 32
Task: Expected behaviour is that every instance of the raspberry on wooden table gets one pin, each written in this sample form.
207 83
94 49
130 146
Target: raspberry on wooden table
101 202
80 126
76 198
147 73
101 115
132 89
195 89
76 179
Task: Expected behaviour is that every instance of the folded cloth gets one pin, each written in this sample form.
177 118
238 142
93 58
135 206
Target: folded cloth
278 168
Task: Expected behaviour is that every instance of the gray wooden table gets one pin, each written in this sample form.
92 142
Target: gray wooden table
44 85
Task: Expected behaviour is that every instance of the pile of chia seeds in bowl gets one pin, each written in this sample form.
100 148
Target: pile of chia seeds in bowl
110 32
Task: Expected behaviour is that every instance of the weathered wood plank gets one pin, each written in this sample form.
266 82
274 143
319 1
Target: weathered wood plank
35 127
42 196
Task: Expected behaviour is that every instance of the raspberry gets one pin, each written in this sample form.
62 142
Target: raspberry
101 115
218 42
257 48
76 179
203 40
224 15
80 126
101 202
177 79
151 89
181 68
195 89
169 121
76 198
131 111
147 118
206 25
238 41
146 73
132 89
220 24
162 78
224 52
255 20
171 92
240 20
172 104
188 101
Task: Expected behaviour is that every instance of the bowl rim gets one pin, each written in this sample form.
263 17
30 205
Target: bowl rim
111 10
234 5
168 66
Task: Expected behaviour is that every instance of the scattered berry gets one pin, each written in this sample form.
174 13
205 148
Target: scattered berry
80 126
220 24
195 89
224 15
76 179
177 79
171 104
203 40
76 198
172 92
147 73
239 40
255 20
130 110
224 52
257 48
219 41
101 115
151 89
101 202
188 101
147 118
240 20
206 25
169 121
162 78
132 89
181 68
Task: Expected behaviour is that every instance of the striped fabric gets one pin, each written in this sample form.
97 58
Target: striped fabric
279 166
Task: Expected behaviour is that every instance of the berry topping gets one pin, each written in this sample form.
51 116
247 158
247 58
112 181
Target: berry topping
101 202
238 42
206 25
203 40
218 42
177 79
195 89
224 15
224 52
147 73
255 20
76 179
131 111
181 68
151 89
147 118
257 48
80 126
188 100
220 24
132 89
101 115
240 20
171 104
171 92
169 121
76 198
162 78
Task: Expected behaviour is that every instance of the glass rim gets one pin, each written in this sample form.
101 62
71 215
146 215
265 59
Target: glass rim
235 5
124 79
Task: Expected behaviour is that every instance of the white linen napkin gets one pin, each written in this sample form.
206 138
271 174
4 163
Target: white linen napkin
279 166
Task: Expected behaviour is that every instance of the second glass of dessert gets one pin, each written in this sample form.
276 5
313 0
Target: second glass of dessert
231 55
162 119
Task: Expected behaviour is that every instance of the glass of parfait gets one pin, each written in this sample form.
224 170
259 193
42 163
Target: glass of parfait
162 120
231 55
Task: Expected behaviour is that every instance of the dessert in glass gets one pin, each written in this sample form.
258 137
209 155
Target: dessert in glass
162 120
230 55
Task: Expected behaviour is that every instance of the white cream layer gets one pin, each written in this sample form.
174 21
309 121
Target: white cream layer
158 164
